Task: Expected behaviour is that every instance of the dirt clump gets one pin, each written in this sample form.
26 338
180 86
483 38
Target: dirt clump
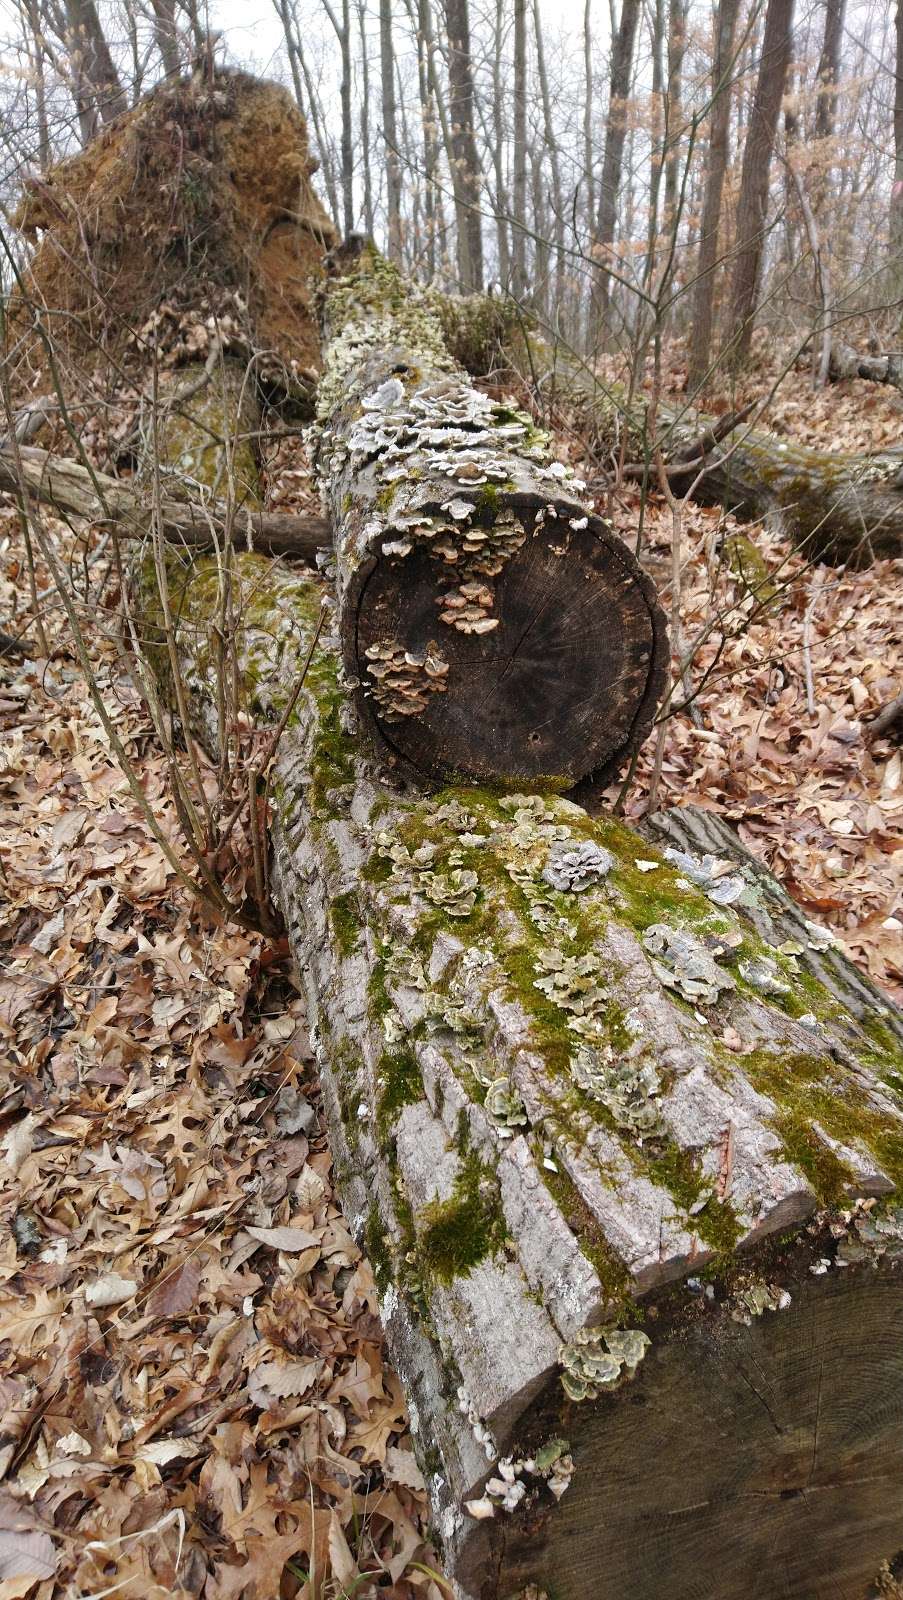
200 197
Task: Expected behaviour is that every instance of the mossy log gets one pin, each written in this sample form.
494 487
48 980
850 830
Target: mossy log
837 507
627 1169
493 625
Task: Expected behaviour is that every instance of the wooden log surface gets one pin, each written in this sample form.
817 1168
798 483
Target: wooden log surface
627 1170
494 626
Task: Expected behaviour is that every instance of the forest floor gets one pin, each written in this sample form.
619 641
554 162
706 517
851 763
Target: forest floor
191 1374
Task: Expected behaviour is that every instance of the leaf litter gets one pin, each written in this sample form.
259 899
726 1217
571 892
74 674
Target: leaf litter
193 1394
192 1382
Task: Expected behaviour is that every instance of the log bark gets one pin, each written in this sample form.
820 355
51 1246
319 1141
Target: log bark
623 1139
495 627
74 491
843 509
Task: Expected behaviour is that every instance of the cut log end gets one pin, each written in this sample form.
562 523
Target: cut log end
550 671
699 1477
496 627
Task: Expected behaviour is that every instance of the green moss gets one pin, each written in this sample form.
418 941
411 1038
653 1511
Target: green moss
401 1085
386 495
748 564
680 1173
376 1247
347 921
487 501
812 1088
380 1002
333 754
610 1269
455 1235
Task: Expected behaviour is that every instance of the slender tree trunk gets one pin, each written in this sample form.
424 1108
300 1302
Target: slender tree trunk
539 285
829 69
390 131
315 111
622 54
365 120
343 34
291 51
677 47
896 202
36 52
752 208
166 35
425 27
428 130
519 182
465 163
98 91
554 161
502 209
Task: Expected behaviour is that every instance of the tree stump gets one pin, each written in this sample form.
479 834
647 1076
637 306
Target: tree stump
494 626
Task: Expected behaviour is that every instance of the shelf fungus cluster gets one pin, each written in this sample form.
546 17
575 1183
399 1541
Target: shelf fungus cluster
493 625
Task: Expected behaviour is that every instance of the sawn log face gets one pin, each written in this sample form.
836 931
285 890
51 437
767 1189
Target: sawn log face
495 627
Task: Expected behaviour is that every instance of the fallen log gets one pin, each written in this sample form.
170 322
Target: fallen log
495 627
839 508
627 1169
846 362
74 491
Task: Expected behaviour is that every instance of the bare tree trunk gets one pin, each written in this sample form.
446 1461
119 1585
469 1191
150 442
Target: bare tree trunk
98 92
538 295
428 120
390 131
465 163
622 53
551 142
37 54
677 47
519 178
166 35
502 208
369 218
588 154
752 207
896 203
343 34
829 69
716 167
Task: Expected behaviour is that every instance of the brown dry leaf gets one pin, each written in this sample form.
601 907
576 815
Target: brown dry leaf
176 1293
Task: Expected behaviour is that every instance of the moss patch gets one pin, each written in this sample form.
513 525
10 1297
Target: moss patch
347 921
455 1235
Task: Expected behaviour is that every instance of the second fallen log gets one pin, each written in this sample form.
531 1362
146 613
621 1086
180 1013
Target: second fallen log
495 627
